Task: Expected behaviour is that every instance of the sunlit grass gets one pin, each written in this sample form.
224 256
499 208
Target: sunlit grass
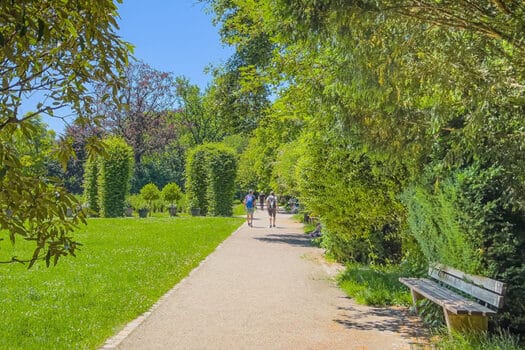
124 266
238 209
476 341
374 286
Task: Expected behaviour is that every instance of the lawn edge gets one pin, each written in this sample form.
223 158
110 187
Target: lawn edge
114 341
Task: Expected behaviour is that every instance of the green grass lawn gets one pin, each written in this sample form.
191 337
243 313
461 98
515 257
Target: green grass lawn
123 268
238 209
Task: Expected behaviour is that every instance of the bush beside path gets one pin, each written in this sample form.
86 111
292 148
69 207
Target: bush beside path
266 288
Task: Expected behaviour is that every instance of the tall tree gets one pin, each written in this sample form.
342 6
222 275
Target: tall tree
148 96
195 115
241 89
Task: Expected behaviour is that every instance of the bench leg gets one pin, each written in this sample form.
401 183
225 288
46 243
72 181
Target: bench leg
415 298
465 322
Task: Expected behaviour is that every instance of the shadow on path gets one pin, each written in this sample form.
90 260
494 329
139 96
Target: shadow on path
379 319
291 239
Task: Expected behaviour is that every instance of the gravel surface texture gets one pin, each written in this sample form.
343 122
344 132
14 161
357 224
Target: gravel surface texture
266 288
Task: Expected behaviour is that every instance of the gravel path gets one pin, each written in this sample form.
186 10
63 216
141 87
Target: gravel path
265 288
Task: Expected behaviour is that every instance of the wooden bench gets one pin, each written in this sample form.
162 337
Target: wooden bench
467 300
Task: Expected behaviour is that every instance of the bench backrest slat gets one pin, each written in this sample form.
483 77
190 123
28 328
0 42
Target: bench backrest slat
467 284
484 282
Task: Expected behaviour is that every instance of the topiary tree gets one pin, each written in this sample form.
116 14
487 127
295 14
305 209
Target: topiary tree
171 193
150 192
114 177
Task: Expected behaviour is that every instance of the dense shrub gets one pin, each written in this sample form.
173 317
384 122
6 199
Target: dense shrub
356 198
433 219
466 220
114 177
137 202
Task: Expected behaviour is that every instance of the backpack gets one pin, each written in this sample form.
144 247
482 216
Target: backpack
271 202
249 201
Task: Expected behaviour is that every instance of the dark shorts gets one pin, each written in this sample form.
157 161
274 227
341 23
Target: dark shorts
272 211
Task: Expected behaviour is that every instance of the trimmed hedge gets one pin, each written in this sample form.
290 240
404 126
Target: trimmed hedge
222 168
197 179
114 177
91 186
210 184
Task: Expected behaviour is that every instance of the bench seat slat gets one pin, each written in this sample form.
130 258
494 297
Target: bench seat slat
446 298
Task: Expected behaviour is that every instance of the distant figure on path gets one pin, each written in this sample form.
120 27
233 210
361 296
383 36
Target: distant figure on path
261 199
271 203
249 206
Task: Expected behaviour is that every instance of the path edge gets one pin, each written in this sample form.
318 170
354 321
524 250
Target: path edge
114 341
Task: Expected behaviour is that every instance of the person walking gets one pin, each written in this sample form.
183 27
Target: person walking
262 197
249 206
271 204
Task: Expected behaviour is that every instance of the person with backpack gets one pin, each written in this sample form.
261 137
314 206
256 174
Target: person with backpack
271 204
249 206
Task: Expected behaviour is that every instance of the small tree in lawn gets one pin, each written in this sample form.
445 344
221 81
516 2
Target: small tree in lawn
172 193
150 192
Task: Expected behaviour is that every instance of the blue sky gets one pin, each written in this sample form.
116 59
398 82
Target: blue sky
173 36
170 35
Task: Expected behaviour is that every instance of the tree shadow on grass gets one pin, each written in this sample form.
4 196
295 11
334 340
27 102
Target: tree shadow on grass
299 240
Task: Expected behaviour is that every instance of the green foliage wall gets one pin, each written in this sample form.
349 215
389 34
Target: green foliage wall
114 177
210 184
433 219
91 185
